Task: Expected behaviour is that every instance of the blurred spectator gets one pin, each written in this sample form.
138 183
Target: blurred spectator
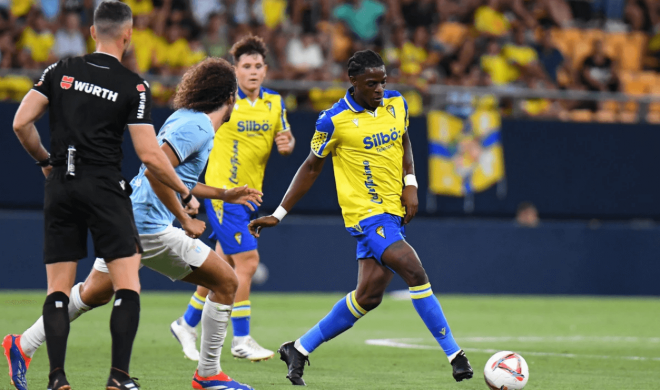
214 38
414 54
598 71
37 43
172 51
139 7
642 15
7 50
363 17
527 215
418 12
522 58
305 56
495 65
69 41
203 10
550 58
50 8
20 8
489 21
611 11
144 43
274 12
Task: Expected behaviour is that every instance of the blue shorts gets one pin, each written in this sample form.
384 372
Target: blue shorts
230 227
376 234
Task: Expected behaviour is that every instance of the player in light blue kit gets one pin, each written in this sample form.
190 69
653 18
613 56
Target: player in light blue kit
205 100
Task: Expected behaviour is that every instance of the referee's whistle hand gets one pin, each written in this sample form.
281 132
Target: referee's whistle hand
193 227
256 225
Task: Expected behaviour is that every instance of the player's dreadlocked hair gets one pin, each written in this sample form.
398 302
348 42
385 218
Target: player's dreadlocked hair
249 44
362 60
206 86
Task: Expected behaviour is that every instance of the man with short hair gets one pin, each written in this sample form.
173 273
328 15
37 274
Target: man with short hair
240 152
205 100
366 133
91 101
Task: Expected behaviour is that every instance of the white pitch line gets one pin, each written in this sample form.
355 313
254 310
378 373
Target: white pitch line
571 339
407 344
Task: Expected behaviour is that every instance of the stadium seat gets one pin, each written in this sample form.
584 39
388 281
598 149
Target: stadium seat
628 117
562 41
632 51
653 117
581 116
613 42
581 50
605 116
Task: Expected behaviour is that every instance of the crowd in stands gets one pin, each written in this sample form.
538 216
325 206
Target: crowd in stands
594 45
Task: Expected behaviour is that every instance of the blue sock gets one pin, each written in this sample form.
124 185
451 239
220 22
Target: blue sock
193 313
240 318
343 315
428 307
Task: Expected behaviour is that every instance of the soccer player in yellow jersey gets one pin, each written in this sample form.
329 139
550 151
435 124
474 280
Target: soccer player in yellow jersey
366 133
240 152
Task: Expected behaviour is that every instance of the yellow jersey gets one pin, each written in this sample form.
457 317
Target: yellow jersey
242 146
367 154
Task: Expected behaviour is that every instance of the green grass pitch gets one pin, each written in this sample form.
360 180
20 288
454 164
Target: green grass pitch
568 342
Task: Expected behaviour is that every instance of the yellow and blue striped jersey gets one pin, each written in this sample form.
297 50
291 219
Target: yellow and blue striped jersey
242 145
367 154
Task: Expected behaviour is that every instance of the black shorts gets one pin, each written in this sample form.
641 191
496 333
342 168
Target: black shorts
96 199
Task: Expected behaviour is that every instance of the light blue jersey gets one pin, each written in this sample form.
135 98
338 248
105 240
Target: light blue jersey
190 135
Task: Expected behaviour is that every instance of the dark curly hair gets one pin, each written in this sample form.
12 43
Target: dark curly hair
249 44
206 86
362 60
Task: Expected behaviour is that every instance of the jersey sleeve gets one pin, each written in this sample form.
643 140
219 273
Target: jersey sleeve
323 142
43 86
140 112
405 106
186 140
283 122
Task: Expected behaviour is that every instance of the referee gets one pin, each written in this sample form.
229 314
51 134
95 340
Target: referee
91 101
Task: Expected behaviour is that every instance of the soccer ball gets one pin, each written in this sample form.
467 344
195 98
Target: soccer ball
506 370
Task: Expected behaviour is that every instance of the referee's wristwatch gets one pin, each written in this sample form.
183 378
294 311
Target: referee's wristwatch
44 163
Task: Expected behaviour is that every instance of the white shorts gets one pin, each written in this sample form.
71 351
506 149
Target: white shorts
170 252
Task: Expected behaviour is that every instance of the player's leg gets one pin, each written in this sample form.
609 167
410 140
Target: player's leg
218 276
403 259
243 345
373 279
184 328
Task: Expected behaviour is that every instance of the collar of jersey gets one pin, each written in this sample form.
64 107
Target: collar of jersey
107 54
242 94
352 104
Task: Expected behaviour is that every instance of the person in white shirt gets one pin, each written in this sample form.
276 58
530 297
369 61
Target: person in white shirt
69 41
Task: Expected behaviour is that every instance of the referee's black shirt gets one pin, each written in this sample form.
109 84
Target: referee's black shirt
91 99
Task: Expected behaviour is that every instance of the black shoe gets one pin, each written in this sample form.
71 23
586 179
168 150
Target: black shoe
461 367
120 380
57 380
295 361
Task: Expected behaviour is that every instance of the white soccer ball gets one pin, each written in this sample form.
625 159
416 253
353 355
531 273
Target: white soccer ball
506 370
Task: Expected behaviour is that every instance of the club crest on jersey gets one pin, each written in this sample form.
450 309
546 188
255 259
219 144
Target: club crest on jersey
140 88
66 82
380 231
238 237
390 109
269 105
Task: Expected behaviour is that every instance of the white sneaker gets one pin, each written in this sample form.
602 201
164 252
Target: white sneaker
247 348
187 337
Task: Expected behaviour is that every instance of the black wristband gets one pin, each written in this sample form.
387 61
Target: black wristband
43 163
187 199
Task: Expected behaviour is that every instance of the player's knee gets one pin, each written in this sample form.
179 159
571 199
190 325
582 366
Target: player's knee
227 286
369 301
95 298
415 275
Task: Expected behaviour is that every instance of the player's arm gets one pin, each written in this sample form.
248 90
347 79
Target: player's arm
193 227
301 183
157 163
409 195
284 139
238 195
285 142
33 106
